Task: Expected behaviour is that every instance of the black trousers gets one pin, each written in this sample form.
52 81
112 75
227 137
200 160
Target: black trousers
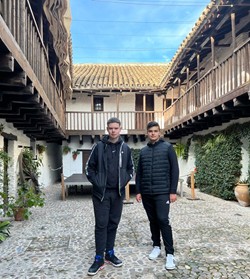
157 208
107 217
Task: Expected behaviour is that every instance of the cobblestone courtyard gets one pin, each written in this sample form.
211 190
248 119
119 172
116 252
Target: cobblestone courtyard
211 236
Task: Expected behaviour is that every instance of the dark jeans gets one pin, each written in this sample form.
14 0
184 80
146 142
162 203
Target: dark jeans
157 208
107 217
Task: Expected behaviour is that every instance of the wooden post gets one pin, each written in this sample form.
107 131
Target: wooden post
192 185
234 47
197 97
213 69
127 194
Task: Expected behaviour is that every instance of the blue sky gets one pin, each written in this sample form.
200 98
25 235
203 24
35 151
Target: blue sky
131 31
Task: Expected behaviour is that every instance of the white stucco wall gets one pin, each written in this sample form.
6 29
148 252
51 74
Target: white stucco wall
14 149
71 166
82 102
245 158
52 164
127 102
52 158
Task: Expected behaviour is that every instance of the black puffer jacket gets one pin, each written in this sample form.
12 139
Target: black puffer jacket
158 170
97 166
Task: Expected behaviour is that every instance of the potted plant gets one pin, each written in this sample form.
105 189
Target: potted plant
66 149
75 153
40 148
241 192
19 207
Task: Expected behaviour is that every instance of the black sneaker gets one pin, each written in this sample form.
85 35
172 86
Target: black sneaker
97 265
112 259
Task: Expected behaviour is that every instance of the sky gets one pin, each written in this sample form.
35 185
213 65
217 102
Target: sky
131 31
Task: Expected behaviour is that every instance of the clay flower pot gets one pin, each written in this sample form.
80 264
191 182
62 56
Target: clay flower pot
19 214
241 192
75 154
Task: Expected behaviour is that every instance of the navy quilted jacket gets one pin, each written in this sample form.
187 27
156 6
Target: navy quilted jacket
157 170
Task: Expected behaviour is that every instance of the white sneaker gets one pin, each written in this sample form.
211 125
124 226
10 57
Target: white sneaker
155 253
170 262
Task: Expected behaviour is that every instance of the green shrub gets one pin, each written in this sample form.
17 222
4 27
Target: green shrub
4 230
218 160
135 156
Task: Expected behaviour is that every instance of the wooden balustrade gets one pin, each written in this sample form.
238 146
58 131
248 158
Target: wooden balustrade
21 22
210 88
96 122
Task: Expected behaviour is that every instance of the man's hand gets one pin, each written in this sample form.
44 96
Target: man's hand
138 197
173 198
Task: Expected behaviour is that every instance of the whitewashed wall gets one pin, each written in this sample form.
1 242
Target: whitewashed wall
52 164
71 166
52 159
82 102
14 150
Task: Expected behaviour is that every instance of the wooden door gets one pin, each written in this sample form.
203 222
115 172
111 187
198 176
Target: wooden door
143 118
85 156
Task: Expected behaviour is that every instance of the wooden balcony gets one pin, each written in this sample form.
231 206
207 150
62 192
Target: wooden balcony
30 97
222 94
133 123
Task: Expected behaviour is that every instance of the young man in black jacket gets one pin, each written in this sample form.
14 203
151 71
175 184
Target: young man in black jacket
109 168
156 183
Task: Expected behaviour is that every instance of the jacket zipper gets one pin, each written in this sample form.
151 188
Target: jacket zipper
120 165
104 190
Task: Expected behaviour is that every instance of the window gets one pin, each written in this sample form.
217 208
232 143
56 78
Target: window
167 103
98 103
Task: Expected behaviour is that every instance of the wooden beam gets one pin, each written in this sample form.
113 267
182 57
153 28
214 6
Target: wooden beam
12 45
18 79
6 63
8 136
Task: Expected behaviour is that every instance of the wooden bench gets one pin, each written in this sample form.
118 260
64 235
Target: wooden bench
76 179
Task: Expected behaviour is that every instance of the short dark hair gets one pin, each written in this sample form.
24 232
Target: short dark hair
113 120
152 124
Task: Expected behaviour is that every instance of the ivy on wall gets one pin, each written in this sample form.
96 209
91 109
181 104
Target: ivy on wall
218 160
135 155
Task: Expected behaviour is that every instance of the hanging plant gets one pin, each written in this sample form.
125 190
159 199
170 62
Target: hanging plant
179 149
75 154
40 148
66 149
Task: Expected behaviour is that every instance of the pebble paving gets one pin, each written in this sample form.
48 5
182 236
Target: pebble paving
211 239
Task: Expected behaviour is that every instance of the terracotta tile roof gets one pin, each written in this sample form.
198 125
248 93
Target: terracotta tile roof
118 76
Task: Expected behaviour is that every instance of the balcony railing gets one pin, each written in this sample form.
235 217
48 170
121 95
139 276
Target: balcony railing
212 89
21 22
87 123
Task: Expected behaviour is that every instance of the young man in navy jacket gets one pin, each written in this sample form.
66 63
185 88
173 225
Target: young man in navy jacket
156 183
109 168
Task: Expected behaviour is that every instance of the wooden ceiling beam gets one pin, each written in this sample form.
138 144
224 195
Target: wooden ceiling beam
6 62
16 79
